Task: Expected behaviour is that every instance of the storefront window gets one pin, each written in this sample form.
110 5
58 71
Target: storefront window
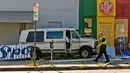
88 27
121 35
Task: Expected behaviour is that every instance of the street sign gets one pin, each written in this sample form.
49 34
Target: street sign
35 11
35 18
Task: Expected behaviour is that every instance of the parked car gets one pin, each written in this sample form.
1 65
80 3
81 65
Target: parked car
85 47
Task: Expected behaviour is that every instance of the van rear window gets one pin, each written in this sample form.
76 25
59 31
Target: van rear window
54 35
39 36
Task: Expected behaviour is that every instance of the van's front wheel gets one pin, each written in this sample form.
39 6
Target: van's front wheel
85 53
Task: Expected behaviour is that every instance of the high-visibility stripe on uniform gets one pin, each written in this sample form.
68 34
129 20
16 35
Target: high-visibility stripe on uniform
105 42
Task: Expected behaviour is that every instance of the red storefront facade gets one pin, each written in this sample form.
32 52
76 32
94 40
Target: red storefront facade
122 23
122 9
129 25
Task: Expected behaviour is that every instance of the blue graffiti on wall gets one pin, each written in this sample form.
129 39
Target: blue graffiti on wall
15 51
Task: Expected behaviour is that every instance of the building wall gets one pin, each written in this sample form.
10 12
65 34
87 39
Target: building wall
9 33
106 19
88 11
17 14
81 18
121 23
122 13
129 25
65 11
122 8
89 8
113 10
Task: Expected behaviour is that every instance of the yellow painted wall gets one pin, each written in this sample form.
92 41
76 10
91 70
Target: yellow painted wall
106 20
113 13
106 25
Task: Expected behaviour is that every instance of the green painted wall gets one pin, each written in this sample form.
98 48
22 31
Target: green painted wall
81 21
87 8
94 27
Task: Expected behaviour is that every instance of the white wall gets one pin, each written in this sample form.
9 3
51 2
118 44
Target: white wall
65 11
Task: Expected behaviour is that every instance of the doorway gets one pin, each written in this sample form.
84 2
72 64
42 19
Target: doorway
121 35
107 32
68 40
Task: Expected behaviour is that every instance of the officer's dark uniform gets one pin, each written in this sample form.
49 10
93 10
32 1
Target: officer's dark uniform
103 50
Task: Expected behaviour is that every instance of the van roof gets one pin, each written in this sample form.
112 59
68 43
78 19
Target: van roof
44 29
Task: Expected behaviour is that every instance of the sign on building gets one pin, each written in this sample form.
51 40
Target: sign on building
106 7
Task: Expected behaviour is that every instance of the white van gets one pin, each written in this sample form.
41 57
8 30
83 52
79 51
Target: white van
83 46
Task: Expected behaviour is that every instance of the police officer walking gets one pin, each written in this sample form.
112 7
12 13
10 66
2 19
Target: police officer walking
102 45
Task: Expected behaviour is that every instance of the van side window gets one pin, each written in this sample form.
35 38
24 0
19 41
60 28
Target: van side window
54 35
75 35
39 36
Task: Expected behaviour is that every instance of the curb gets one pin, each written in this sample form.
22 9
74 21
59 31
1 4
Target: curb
50 68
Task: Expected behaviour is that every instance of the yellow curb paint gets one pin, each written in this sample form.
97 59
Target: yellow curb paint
124 65
51 66
32 64
100 64
82 66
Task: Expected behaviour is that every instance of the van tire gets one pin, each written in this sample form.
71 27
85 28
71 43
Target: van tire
85 52
38 53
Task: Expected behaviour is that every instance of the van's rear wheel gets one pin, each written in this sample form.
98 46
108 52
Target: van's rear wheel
85 53
38 53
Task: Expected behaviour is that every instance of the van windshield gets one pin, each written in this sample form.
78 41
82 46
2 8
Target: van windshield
75 35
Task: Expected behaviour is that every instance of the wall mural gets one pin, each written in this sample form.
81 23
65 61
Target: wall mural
12 52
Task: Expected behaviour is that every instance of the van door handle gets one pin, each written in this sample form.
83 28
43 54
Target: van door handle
73 41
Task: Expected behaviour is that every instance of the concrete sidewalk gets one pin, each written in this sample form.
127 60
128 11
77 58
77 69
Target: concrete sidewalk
72 64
